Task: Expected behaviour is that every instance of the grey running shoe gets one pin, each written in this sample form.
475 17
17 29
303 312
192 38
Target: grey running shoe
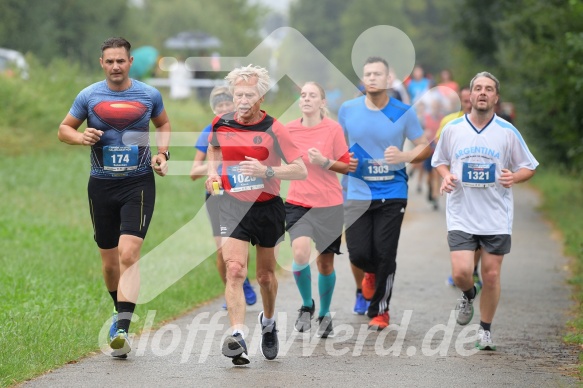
303 323
465 310
325 328
485 340
235 348
269 343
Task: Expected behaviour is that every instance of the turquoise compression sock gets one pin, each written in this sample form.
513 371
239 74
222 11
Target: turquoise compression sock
303 277
326 285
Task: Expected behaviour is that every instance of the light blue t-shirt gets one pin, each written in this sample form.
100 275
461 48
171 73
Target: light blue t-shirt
124 117
417 88
369 134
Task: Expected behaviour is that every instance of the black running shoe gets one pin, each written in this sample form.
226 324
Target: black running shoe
325 328
269 343
303 323
235 348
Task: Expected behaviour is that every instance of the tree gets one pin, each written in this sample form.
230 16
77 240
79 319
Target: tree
158 20
536 49
60 28
75 29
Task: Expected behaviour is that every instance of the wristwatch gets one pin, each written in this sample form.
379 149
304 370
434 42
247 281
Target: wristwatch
269 173
166 154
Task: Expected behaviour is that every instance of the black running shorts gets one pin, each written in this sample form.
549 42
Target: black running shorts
261 223
121 206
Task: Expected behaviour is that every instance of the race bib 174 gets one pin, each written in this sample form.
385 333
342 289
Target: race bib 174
120 158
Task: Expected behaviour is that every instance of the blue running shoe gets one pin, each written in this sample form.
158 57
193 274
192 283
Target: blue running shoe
120 344
361 304
449 281
250 296
113 327
224 306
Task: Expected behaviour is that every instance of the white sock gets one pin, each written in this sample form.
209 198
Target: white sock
267 321
236 331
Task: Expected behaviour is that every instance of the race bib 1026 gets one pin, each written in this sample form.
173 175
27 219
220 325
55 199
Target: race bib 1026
240 182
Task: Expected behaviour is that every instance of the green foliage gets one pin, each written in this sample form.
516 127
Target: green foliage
536 49
159 20
34 108
61 28
308 16
477 31
75 29
334 26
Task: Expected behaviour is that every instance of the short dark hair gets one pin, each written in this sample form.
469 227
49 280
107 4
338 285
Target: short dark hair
115 43
377 59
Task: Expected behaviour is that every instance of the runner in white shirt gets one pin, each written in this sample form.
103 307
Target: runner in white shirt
480 156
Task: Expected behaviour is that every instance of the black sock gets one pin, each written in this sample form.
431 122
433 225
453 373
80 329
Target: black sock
125 311
113 295
471 293
485 326
359 291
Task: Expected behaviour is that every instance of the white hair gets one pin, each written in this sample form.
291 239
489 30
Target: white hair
248 72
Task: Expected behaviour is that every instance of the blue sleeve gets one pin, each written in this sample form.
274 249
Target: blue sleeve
80 106
157 104
203 140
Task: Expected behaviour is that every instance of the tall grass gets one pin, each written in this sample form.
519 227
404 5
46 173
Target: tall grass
563 205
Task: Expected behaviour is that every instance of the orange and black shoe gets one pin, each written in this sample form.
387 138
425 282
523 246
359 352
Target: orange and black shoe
379 322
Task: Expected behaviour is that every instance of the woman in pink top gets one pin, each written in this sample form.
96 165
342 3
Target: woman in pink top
314 206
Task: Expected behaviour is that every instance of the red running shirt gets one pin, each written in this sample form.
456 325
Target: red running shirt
267 141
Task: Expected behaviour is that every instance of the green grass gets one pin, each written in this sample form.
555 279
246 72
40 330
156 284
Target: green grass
53 302
563 206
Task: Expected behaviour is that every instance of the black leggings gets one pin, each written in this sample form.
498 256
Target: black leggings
372 238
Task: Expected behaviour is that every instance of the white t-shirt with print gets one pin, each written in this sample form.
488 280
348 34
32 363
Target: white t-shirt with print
479 204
